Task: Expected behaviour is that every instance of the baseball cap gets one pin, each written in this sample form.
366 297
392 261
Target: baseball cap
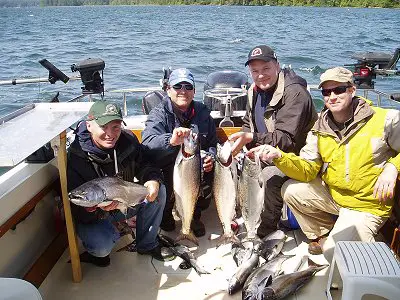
338 74
181 75
104 112
262 52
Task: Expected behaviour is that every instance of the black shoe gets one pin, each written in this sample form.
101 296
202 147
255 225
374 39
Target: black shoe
97 261
159 253
198 228
168 224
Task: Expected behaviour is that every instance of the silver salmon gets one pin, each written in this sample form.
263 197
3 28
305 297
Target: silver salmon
285 285
272 244
101 191
262 276
251 195
224 190
187 176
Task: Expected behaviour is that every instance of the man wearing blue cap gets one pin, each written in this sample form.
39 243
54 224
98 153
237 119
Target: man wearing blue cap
102 148
166 127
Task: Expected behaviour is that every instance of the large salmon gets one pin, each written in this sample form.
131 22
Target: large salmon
187 177
101 191
251 195
224 190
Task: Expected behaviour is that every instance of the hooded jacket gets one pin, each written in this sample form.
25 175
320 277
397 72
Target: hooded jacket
350 164
288 117
85 161
159 127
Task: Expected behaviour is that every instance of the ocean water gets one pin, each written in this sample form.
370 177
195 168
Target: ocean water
136 42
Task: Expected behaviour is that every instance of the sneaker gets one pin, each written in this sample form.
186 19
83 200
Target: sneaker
198 228
159 253
168 224
94 260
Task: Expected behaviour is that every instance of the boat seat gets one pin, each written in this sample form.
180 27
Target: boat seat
365 268
18 289
151 99
395 97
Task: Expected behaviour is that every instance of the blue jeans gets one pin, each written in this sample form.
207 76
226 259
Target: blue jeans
99 237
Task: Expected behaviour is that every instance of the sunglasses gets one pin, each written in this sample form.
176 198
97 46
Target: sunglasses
179 86
337 90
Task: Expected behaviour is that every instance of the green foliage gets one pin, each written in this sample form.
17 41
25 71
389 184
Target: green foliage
340 3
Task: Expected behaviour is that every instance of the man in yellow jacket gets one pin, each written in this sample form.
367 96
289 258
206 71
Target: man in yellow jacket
348 167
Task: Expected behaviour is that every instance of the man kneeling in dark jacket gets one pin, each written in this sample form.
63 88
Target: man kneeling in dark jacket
102 148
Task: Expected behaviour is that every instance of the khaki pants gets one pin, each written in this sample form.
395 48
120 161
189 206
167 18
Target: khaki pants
314 209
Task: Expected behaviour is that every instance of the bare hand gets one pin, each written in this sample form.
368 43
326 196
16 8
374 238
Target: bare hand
112 206
208 163
178 135
384 186
267 153
153 186
240 139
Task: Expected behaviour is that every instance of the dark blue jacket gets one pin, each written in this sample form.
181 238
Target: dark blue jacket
159 127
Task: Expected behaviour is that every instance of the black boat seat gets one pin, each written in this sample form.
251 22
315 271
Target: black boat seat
395 97
383 60
151 99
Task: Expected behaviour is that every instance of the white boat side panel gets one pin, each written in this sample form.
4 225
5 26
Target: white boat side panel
19 187
135 122
26 133
21 247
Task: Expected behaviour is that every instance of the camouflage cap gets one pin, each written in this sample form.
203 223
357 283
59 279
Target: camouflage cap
104 112
338 74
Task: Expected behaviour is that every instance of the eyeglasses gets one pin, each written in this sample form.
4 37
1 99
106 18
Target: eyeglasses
179 86
337 90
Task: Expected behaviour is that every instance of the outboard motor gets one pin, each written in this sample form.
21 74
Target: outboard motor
90 69
369 64
226 83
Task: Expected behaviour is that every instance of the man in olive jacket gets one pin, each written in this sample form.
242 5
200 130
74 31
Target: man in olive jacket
102 148
279 112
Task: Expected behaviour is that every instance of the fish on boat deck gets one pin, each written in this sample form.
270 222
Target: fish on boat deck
271 245
102 191
186 184
183 252
263 276
285 285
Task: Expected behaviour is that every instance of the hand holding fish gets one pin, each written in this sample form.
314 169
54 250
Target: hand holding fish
208 163
384 186
153 187
178 135
266 153
240 139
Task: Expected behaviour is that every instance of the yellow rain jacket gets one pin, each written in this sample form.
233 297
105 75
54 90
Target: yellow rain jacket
349 161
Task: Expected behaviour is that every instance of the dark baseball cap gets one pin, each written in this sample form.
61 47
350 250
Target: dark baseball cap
262 52
104 112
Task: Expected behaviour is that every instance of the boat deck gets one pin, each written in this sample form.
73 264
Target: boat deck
133 276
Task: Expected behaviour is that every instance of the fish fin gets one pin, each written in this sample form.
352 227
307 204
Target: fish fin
266 281
189 237
314 265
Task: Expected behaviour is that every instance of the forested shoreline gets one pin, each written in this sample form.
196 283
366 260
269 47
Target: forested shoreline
329 3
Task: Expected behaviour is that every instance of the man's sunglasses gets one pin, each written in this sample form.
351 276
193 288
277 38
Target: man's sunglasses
179 86
337 90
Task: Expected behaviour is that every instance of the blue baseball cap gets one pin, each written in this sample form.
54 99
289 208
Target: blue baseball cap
181 75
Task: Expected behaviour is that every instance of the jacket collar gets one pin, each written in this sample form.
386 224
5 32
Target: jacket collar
362 112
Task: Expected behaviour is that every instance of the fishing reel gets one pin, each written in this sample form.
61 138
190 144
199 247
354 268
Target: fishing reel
89 70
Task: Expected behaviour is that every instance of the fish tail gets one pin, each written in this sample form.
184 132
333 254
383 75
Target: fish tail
316 266
227 238
190 237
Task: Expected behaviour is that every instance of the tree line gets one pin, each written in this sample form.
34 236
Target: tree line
334 3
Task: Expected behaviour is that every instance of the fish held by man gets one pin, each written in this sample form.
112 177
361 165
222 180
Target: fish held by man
224 190
186 178
251 195
285 285
102 191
